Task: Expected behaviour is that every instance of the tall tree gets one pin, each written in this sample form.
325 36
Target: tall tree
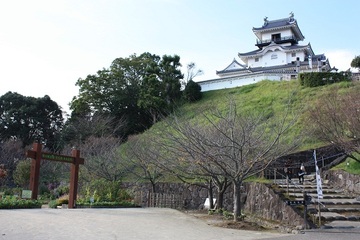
132 89
170 75
30 119
151 98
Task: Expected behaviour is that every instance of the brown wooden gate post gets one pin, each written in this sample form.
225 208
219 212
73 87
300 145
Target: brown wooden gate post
74 177
36 155
35 171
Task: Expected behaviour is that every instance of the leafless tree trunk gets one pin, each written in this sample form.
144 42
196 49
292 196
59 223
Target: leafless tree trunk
335 119
102 158
227 144
143 154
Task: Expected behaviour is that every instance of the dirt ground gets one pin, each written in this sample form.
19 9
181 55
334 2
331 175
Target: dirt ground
219 220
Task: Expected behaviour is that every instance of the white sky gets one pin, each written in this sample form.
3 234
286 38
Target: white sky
47 45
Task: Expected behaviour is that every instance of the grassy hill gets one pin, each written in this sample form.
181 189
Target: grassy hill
269 97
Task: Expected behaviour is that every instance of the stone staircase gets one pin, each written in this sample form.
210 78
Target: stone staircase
336 205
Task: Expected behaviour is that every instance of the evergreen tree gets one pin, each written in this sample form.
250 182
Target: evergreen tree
192 91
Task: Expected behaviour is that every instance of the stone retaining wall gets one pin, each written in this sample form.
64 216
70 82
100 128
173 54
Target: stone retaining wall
263 202
340 179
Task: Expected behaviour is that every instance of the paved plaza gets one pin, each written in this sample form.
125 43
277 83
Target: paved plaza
128 223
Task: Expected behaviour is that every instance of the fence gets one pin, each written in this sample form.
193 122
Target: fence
161 200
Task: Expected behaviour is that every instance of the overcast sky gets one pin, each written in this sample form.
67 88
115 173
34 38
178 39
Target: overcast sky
47 45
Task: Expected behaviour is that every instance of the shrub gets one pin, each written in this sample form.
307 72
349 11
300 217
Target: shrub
192 91
63 200
315 79
60 201
105 191
21 174
12 202
53 204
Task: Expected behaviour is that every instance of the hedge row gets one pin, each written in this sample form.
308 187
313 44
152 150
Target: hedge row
11 202
314 79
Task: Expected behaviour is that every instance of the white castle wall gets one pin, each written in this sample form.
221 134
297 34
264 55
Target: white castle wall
237 81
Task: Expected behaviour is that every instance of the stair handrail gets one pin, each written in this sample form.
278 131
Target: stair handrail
287 181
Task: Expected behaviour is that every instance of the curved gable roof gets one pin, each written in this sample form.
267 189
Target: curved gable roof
233 66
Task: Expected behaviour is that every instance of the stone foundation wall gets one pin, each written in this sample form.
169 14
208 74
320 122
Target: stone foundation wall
263 202
340 179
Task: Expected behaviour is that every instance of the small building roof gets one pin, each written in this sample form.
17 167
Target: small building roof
233 66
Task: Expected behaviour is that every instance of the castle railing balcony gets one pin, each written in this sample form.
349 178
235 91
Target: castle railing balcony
288 39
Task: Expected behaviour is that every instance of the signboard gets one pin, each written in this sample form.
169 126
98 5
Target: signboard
318 179
54 157
292 203
26 194
60 158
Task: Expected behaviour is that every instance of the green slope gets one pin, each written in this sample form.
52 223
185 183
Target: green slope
269 97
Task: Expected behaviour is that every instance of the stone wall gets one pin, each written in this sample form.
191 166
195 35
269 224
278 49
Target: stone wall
258 199
263 202
193 196
340 179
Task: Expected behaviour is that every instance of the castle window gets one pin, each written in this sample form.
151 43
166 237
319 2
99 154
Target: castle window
293 54
274 56
276 37
256 59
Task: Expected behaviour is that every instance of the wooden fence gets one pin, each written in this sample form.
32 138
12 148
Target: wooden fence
161 200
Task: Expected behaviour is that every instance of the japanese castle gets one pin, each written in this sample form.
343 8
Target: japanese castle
278 57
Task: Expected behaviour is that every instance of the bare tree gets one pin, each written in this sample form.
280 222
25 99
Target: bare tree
77 130
142 153
191 73
229 144
102 158
335 119
184 155
11 152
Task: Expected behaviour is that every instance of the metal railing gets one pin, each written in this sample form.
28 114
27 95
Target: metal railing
280 39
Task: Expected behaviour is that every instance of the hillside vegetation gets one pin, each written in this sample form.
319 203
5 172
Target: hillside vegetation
272 98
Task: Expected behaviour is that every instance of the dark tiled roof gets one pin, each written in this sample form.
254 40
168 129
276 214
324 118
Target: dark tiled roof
292 47
280 23
276 23
286 68
232 70
251 53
